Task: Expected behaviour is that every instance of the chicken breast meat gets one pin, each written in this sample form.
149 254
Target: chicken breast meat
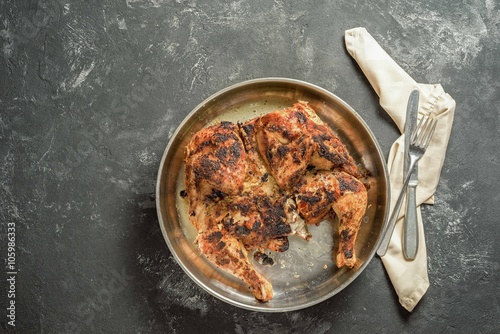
252 185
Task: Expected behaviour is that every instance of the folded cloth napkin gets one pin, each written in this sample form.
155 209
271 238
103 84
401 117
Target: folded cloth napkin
393 86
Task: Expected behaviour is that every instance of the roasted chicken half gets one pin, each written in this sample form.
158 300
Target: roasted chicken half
215 169
308 160
235 204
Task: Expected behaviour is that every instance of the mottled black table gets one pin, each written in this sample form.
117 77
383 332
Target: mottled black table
90 93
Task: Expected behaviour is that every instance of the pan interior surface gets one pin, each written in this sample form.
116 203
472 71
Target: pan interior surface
305 274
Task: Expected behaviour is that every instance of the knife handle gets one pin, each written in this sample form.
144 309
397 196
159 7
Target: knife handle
410 234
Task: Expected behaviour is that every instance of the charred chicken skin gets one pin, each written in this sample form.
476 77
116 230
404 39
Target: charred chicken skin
252 185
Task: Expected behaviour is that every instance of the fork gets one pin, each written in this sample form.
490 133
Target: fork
419 141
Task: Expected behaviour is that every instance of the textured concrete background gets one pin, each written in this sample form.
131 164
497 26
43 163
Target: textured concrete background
90 93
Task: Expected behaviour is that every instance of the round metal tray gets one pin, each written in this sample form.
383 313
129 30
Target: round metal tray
305 274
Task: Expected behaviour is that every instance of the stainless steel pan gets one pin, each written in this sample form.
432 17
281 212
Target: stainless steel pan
305 274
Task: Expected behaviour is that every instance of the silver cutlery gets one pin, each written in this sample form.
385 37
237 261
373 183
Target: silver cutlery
419 141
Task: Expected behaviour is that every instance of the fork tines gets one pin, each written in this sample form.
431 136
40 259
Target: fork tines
423 132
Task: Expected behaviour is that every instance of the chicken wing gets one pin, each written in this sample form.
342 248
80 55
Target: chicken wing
330 153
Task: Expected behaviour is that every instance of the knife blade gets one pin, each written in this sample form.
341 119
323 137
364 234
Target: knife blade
411 112
410 232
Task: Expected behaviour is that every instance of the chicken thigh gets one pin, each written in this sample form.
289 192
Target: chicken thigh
321 192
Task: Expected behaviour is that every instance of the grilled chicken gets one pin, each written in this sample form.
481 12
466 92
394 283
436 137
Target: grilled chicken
228 253
215 169
310 161
329 152
315 194
321 192
252 185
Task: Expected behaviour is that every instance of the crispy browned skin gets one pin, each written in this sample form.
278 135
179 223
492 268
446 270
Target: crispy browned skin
284 145
262 188
315 195
257 174
329 152
215 166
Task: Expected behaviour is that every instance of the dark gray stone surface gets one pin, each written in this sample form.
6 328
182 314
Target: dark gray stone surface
90 93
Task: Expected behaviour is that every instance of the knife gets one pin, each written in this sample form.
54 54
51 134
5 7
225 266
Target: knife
410 232
411 118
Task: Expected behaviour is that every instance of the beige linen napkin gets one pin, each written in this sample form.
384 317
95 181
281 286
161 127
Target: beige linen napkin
393 86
